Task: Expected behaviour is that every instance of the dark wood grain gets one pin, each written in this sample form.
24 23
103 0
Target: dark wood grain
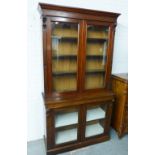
82 122
80 45
110 55
44 55
48 57
108 116
50 119
83 55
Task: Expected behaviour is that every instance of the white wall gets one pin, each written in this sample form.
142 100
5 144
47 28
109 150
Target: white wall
35 62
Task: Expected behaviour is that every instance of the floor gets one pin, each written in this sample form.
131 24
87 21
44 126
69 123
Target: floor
114 146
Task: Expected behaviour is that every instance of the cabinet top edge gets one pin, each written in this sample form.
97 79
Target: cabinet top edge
121 76
44 6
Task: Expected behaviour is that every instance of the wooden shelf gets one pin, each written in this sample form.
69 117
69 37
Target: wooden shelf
64 73
66 136
64 56
96 57
75 38
95 114
67 38
97 39
75 56
66 118
96 71
93 55
93 130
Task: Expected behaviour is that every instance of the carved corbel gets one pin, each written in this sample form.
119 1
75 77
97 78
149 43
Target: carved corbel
44 21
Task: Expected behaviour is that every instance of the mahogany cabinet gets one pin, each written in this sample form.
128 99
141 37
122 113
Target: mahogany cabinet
120 110
77 53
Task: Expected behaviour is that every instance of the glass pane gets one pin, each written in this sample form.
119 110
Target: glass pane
94 128
66 117
95 120
66 134
96 49
95 112
64 56
66 123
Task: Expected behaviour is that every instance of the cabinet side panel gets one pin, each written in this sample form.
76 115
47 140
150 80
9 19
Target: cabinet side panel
117 118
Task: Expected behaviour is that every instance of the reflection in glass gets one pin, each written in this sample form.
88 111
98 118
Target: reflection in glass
95 120
96 49
66 123
64 56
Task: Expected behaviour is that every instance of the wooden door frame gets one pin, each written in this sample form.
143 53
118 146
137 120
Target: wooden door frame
47 31
109 51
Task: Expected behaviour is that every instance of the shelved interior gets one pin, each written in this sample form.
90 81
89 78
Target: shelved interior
66 117
70 116
95 113
97 39
94 129
64 135
64 56
64 41
66 122
98 32
95 116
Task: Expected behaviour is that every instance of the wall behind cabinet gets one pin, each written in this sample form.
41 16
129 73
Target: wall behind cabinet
35 64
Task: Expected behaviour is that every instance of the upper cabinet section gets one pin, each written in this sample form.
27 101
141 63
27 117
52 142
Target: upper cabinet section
77 49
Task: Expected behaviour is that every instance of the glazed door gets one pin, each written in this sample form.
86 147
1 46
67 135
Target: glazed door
63 54
66 125
96 51
96 120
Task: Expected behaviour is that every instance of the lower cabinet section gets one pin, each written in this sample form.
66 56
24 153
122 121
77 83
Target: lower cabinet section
78 126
